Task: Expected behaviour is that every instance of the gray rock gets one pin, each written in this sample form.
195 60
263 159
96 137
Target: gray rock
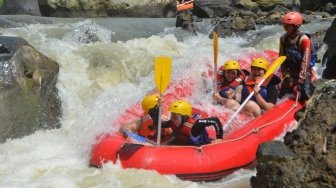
275 150
312 4
213 8
313 144
185 20
330 38
90 33
234 25
29 7
28 96
98 8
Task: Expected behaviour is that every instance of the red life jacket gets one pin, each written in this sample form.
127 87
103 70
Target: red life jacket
184 131
146 127
251 82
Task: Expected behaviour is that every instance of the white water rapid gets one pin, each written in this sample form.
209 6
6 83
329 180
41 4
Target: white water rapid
98 81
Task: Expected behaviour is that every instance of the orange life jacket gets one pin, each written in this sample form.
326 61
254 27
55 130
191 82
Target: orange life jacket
250 83
147 130
184 131
224 84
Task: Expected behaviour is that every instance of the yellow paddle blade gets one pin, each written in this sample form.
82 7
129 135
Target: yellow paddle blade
162 72
275 65
215 46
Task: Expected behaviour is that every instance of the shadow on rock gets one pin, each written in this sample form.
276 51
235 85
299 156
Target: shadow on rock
311 148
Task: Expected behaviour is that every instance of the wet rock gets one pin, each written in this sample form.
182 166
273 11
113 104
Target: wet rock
29 7
330 8
89 33
274 151
312 4
266 5
28 95
329 61
213 8
313 144
329 58
247 14
234 25
245 4
5 23
185 20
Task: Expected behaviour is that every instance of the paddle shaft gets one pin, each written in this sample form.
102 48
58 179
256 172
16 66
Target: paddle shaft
215 78
137 137
158 141
215 48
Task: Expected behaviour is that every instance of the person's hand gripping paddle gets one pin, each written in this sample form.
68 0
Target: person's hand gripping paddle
275 65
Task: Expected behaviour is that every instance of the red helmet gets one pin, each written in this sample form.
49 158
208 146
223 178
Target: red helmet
292 18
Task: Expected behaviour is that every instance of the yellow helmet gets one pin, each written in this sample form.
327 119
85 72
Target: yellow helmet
181 107
231 65
149 102
260 62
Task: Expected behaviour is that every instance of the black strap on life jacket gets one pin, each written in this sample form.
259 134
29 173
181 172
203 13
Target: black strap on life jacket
288 43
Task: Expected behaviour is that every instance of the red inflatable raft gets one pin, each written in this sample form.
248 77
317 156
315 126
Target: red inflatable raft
205 163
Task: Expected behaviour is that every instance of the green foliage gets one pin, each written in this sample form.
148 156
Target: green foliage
1 2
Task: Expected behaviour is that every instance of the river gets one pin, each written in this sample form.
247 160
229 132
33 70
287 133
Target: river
98 81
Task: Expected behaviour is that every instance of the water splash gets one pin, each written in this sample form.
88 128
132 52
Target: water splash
97 82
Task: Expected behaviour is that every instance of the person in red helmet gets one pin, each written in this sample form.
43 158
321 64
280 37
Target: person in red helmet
296 46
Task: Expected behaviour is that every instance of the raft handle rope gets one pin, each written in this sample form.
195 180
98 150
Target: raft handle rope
255 130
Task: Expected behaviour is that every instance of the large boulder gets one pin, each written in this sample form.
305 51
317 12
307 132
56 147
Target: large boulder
267 5
224 8
213 8
329 57
245 4
28 95
108 8
307 157
29 7
234 25
330 38
312 4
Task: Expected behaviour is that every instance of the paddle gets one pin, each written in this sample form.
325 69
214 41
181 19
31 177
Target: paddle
215 49
275 65
137 137
162 72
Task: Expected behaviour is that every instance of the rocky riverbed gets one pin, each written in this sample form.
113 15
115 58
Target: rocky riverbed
307 157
